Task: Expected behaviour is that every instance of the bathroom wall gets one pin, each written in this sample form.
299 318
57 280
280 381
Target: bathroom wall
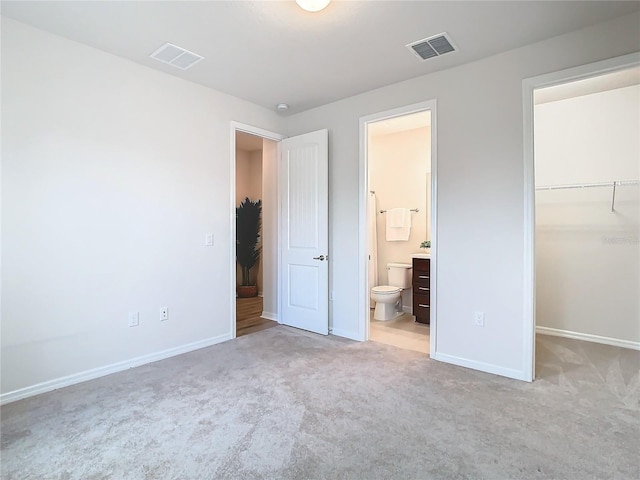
588 258
399 164
249 184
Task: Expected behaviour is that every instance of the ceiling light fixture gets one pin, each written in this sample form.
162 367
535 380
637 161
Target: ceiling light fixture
282 107
313 5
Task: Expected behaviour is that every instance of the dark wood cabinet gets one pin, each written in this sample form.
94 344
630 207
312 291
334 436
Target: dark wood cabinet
421 289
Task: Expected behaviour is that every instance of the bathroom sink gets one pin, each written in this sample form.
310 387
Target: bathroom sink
421 255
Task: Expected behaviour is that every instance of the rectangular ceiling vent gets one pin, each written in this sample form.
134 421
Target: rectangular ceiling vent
433 46
176 56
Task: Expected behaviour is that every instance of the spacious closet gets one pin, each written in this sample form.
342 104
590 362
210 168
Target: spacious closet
587 159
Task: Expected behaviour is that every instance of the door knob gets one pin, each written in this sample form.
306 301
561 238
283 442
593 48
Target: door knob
321 258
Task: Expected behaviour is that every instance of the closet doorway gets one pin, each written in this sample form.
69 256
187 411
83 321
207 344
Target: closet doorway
397 267
586 139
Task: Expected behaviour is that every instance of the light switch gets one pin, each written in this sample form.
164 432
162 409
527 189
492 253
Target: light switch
134 319
208 239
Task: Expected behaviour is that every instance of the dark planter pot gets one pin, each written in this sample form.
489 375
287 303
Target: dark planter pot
247 291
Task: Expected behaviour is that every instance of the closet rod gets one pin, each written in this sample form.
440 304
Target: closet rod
617 183
411 210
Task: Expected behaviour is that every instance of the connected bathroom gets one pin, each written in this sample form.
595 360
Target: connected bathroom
399 230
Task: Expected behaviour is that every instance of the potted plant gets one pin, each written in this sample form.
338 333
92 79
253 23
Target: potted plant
426 244
247 249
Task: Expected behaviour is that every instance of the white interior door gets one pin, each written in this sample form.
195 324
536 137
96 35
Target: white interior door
304 232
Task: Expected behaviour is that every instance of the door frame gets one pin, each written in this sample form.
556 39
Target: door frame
529 85
259 132
364 300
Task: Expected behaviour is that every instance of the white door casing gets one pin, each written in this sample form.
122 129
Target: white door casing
529 85
363 246
304 231
259 132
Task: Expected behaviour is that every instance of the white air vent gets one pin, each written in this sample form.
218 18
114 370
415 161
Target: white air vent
432 46
176 56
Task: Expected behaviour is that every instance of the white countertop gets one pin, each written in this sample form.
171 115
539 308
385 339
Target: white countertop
421 255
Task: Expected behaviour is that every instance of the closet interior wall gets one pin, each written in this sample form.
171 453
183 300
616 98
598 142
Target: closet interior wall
588 256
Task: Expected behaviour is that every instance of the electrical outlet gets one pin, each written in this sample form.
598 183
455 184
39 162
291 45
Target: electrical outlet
134 319
208 240
478 319
164 314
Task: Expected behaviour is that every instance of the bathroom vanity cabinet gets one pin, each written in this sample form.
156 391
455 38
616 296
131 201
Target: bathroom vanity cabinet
421 289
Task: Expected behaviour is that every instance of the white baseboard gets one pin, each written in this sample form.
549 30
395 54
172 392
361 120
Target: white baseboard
270 316
94 373
407 309
481 366
587 337
346 334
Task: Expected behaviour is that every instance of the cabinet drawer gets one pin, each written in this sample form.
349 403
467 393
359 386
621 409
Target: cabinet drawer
421 289
421 309
421 278
421 264
422 298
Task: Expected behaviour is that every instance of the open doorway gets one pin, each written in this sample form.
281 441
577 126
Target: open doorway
582 168
398 176
294 223
399 181
587 171
255 241
250 236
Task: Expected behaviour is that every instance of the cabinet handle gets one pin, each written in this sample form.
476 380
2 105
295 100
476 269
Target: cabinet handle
422 276
423 288
423 305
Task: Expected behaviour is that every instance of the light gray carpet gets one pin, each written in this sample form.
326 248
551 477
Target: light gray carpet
284 404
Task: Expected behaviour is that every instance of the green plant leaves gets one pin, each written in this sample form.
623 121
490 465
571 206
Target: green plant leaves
248 222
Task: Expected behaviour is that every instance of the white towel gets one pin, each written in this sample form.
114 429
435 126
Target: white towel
395 217
398 224
373 241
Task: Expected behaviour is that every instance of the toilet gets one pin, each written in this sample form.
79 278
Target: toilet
388 298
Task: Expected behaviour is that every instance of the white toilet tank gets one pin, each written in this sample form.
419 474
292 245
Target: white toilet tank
399 274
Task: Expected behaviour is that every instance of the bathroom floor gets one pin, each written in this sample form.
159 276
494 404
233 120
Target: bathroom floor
402 332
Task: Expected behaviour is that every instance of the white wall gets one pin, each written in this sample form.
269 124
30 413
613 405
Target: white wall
248 175
255 187
270 228
398 168
587 258
112 173
249 184
480 236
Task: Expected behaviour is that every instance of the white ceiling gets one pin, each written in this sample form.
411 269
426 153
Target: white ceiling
269 52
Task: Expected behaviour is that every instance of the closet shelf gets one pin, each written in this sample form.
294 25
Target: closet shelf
613 185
